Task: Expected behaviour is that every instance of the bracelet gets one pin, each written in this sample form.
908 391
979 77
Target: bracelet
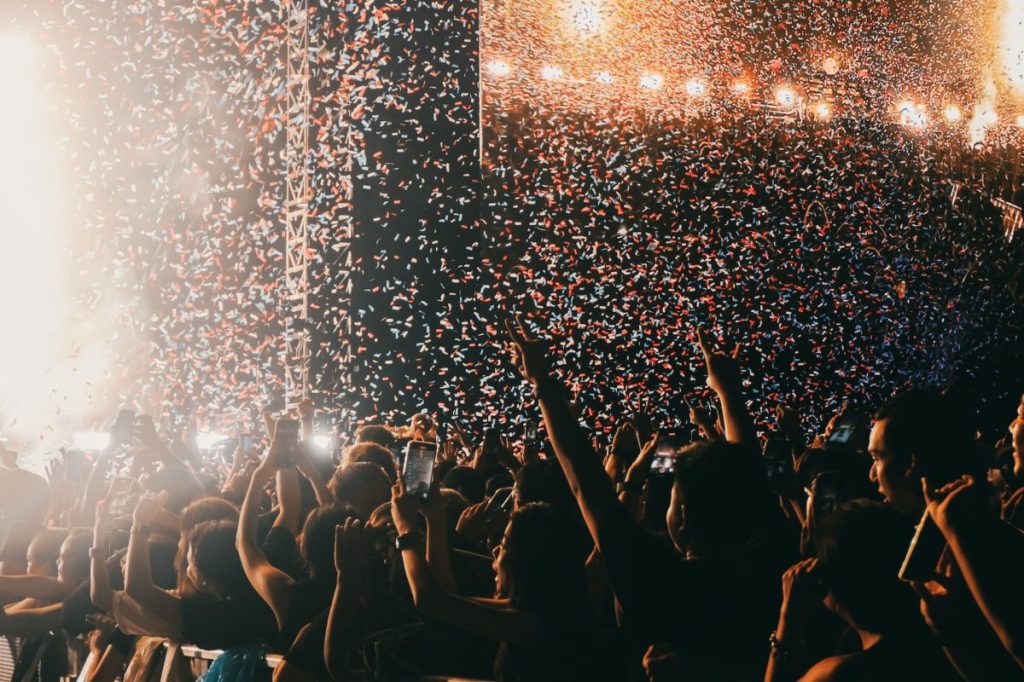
98 553
780 650
411 540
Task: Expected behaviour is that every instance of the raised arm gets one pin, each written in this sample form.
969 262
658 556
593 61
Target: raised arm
491 618
31 622
344 621
274 586
724 379
581 463
138 582
99 581
990 555
41 587
438 552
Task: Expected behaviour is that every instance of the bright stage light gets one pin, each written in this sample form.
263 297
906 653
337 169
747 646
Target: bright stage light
695 88
1020 121
912 114
1013 42
498 68
785 96
206 440
551 72
322 441
740 87
91 441
650 81
587 16
952 113
822 110
604 77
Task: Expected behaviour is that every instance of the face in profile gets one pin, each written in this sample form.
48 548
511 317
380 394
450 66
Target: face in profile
894 478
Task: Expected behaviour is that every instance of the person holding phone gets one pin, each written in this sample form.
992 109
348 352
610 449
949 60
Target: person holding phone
541 610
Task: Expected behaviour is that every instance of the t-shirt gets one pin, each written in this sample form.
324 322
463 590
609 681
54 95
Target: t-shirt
212 623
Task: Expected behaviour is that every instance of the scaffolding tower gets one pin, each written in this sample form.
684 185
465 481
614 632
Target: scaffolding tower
298 192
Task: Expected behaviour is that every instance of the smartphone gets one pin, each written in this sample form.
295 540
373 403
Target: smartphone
418 470
286 435
844 429
924 552
76 467
507 498
778 457
530 431
665 453
245 442
827 491
121 497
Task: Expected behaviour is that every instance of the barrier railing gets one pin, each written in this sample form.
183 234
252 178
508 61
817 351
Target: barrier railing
1013 220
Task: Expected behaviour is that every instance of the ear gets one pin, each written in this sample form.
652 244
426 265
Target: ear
912 470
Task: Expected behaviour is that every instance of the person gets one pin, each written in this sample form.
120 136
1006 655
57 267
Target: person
859 549
919 434
375 454
730 547
362 486
224 612
541 608
294 602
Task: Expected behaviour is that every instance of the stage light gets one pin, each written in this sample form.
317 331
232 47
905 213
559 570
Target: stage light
551 72
1013 42
785 96
206 440
91 441
498 68
587 16
952 113
740 87
906 107
650 81
1020 121
322 441
604 77
830 66
912 114
695 88
822 110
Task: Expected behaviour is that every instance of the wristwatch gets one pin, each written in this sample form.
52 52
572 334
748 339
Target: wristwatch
411 540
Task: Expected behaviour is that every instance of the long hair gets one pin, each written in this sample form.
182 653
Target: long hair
546 559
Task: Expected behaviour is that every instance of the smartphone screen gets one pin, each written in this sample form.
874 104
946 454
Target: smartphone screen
121 496
665 453
827 493
844 430
286 435
924 552
530 431
418 470
245 442
778 457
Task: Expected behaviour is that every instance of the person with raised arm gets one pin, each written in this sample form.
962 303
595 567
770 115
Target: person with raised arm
712 598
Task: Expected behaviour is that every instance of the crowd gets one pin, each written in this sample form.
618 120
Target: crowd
739 555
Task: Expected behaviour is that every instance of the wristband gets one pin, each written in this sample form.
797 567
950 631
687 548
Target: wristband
781 651
411 540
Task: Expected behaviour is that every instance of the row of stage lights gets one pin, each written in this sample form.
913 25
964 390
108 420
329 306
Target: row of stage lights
909 113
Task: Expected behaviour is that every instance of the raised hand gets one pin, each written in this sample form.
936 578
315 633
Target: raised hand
404 508
802 592
147 508
957 505
723 370
350 550
531 353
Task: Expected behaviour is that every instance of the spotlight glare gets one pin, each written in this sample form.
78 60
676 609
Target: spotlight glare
822 110
739 87
906 106
587 16
90 441
785 96
322 441
695 87
498 68
952 113
650 81
604 77
551 72
206 440
913 115
1020 121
